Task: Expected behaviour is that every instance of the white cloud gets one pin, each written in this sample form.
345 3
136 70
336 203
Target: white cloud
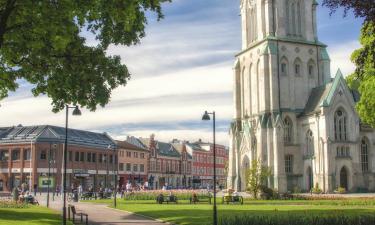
340 57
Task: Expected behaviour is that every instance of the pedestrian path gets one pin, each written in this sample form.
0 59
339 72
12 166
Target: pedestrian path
100 214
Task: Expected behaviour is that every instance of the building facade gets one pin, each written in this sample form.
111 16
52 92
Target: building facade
203 167
133 162
167 166
289 113
29 154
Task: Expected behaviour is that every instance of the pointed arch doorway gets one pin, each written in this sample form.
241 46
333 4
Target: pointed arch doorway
244 168
344 178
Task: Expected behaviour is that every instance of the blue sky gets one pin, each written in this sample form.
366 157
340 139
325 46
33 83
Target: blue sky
180 69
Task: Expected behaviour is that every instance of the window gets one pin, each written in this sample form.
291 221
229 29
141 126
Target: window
15 154
76 157
104 158
4 155
252 24
43 154
121 166
293 17
141 168
128 167
89 157
93 157
297 69
135 167
340 125
309 143
111 159
70 156
343 151
128 154
289 164
311 70
135 154
100 158
142 155
27 154
364 155
158 165
82 157
288 130
283 69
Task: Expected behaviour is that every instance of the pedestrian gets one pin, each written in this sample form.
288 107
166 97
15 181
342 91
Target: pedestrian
80 190
57 190
35 189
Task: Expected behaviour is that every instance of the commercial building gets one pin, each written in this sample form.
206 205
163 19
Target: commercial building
203 167
133 161
29 153
167 166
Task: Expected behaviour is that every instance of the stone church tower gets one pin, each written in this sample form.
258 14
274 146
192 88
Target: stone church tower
285 102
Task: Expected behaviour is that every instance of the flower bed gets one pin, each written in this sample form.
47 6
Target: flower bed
151 195
12 204
298 220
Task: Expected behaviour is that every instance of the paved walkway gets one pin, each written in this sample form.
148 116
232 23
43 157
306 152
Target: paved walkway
100 214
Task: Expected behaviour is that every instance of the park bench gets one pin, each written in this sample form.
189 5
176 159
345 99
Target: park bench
88 196
160 199
197 199
232 199
74 212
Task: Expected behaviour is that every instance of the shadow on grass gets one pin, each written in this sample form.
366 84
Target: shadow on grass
29 215
200 216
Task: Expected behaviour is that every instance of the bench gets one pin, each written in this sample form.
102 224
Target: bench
232 199
197 199
160 199
74 212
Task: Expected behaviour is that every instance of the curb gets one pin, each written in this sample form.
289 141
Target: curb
147 217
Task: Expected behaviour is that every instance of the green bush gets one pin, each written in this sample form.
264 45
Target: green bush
267 193
340 190
298 220
316 189
152 195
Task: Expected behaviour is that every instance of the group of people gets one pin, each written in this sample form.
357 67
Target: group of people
21 194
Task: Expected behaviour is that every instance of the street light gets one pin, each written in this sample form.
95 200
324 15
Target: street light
206 116
76 112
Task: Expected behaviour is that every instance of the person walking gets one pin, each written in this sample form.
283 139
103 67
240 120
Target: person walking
35 189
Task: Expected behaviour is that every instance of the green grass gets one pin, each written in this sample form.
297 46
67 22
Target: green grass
33 215
184 213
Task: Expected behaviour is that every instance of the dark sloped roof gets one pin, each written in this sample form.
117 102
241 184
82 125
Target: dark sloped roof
162 148
129 146
47 133
135 141
316 97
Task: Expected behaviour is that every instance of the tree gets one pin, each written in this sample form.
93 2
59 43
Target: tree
363 79
361 8
256 176
43 43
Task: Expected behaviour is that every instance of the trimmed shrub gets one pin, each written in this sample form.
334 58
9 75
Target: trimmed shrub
12 204
298 220
152 195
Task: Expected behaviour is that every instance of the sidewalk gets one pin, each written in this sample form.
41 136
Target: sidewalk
100 214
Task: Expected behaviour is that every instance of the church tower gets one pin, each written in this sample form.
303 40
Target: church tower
280 63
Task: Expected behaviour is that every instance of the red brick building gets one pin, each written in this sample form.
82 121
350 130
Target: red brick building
133 161
203 167
167 166
28 153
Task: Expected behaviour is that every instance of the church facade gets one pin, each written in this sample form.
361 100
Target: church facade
289 113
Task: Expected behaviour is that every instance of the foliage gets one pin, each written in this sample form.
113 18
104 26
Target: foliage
256 176
361 8
363 79
43 43
12 204
268 193
340 190
316 189
297 190
152 195
297 220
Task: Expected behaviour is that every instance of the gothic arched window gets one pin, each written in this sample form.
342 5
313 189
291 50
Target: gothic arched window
364 155
297 67
251 23
340 121
311 68
309 143
294 18
288 130
284 66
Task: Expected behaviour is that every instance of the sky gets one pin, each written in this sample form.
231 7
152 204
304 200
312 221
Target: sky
180 69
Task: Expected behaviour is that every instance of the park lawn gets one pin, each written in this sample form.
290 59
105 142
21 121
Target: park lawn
33 215
200 214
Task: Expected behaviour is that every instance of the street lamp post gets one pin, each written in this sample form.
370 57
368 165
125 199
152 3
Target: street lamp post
206 116
114 163
76 112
